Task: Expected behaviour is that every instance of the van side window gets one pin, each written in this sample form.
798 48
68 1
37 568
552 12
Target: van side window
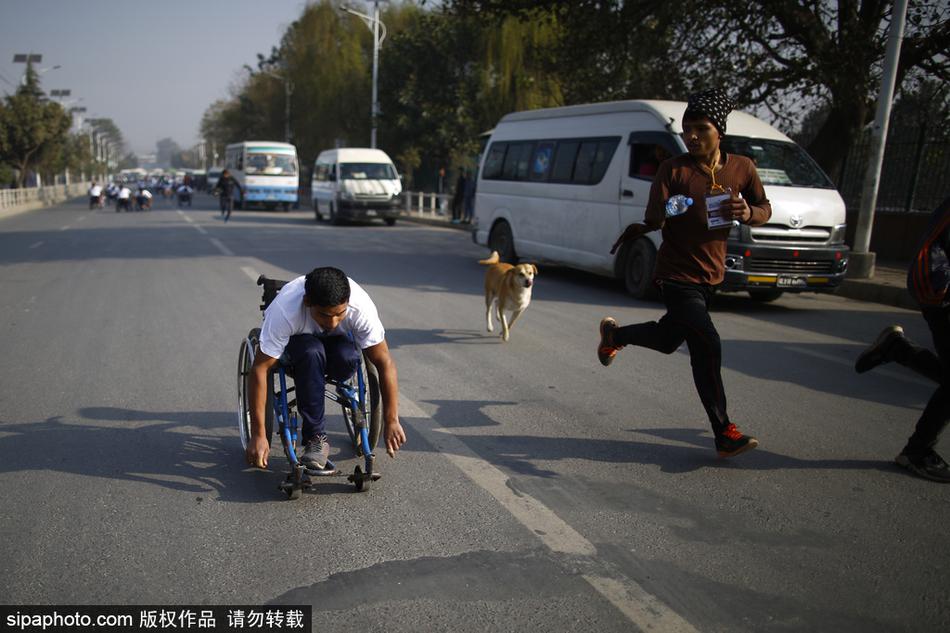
517 161
645 158
593 158
605 153
240 161
320 172
494 160
541 162
564 161
585 162
568 161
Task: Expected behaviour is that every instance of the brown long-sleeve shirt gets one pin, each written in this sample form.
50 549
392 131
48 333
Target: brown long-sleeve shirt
690 251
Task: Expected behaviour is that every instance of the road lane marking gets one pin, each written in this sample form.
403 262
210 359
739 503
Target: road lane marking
82 218
36 244
190 221
639 606
221 247
250 272
66 228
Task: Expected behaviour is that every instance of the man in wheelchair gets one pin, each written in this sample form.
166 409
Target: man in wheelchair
307 328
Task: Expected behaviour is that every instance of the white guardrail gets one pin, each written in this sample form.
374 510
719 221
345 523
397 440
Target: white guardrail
41 196
422 204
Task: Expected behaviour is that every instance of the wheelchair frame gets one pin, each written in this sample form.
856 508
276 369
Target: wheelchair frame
360 401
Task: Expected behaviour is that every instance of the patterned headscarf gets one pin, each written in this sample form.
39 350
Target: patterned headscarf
713 104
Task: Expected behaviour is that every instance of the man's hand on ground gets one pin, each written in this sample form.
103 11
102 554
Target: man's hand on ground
395 437
257 452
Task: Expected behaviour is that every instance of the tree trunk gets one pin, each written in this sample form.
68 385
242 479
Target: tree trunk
836 136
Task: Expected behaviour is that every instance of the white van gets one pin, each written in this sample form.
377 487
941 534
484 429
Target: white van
356 184
561 184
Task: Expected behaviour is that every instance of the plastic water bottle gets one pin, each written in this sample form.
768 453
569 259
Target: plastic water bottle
677 205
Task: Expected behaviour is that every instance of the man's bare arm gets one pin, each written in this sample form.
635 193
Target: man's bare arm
389 388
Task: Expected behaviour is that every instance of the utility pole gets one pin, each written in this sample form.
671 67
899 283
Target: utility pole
861 265
374 25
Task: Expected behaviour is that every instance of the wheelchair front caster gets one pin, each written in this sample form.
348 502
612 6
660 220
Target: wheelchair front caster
295 483
363 480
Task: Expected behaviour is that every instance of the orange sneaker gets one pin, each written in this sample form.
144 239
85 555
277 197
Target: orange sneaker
732 442
606 350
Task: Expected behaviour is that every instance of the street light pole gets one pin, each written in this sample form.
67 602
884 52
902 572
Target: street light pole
375 109
374 24
286 79
29 59
862 261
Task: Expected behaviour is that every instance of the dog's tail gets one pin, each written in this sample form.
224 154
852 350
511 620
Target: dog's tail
492 259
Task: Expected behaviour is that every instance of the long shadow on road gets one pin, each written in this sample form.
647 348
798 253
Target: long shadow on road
165 449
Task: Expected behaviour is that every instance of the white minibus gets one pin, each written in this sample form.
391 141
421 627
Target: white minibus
267 172
561 184
355 183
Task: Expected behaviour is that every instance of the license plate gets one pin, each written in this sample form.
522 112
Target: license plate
791 281
370 212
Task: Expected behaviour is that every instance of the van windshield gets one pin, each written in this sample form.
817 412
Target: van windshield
779 162
367 171
270 164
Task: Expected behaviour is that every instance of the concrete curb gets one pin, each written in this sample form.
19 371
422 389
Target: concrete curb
877 292
436 222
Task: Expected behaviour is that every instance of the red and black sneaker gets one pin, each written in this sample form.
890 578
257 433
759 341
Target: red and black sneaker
732 442
606 350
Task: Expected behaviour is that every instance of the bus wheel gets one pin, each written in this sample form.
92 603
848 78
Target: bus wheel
638 269
501 240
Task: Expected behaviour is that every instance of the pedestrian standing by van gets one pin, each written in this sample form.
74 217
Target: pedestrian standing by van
691 259
225 189
928 281
458 197
469 198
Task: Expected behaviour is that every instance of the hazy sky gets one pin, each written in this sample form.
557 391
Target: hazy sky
153 67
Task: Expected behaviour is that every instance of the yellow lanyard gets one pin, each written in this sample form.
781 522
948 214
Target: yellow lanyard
714 187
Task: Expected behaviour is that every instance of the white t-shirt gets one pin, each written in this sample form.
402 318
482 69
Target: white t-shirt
124 193
287 316
95 191
145 193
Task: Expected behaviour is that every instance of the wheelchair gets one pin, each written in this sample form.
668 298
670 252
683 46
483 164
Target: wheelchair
358 396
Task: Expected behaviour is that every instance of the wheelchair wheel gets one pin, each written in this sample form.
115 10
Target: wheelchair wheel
374 409
245 360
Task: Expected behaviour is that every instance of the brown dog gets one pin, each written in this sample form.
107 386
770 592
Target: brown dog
508 288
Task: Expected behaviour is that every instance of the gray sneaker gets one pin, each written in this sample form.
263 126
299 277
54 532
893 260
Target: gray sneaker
316 452
930 466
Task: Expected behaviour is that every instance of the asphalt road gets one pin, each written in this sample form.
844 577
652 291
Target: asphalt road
537 491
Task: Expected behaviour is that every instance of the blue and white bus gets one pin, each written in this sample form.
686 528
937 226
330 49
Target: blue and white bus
267 171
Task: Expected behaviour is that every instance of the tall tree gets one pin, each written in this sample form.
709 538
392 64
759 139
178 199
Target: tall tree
793 56
30 127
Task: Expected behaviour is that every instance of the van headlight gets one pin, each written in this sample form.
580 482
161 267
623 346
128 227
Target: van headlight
837 234
346 195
